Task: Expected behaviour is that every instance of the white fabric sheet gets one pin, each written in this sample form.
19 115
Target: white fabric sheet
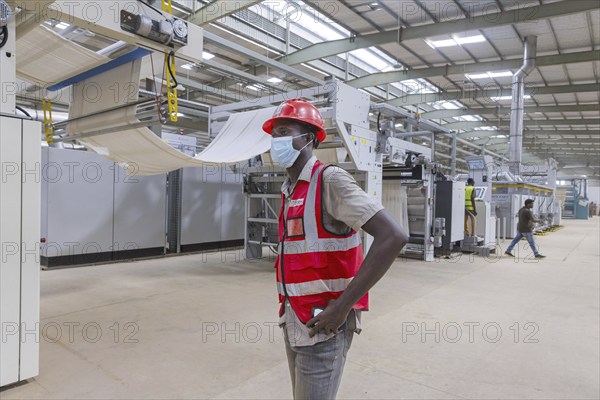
140 150
46 58
394 200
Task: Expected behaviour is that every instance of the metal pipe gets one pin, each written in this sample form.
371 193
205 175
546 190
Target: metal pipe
497 230
183 102
433 149
517 105
504 229
453 155
113 48
136 103
403 135
105 131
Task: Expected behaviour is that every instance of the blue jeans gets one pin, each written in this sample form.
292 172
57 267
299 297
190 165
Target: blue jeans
316 370
517 239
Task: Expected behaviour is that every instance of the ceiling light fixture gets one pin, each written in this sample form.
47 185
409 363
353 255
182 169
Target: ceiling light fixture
207 56
274 80
374 6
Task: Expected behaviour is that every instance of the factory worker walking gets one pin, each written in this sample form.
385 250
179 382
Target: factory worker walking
322 277
525 230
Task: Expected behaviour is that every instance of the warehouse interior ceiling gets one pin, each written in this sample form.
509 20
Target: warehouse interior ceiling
448 61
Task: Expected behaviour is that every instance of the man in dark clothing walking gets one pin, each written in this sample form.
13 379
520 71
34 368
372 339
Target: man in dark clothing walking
525 229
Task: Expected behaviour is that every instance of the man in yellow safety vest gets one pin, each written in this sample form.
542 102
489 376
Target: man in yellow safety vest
470 210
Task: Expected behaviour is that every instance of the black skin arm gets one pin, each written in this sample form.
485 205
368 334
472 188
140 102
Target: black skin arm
389 239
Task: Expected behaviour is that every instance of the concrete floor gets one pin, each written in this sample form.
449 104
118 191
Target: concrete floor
202 326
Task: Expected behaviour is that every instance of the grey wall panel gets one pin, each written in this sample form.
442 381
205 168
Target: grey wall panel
139 211
79 208
232 206
201 205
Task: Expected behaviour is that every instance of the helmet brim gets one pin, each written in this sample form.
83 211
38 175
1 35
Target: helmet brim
268 126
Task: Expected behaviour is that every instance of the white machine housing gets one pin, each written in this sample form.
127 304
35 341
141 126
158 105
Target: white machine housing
20 240
480 169
20 159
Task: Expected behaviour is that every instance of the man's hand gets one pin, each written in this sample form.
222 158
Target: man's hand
329 320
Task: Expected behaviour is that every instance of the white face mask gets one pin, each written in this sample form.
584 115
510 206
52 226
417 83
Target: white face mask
283 152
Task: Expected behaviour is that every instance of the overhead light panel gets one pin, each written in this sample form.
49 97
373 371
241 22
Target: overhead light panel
252 87
188 66
500 98
489 75
455 41
62 25
500 74
470 39
374 6
207 56
274 80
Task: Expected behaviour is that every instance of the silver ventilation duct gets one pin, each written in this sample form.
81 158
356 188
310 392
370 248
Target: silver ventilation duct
518 104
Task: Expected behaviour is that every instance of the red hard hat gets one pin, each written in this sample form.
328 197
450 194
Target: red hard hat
300 110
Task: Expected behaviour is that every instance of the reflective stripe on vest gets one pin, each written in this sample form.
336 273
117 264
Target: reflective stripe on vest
314 287
321 245
468 193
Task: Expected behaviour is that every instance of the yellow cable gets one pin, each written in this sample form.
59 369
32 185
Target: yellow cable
171 88
48 128
167 6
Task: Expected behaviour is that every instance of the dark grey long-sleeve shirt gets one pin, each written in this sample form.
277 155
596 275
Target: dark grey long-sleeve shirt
526 220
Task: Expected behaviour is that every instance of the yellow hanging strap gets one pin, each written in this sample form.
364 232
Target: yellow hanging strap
167 6
171 86
48 128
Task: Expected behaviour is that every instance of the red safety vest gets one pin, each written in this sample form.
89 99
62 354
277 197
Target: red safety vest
314 266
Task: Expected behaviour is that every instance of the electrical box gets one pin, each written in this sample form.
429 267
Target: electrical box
450 204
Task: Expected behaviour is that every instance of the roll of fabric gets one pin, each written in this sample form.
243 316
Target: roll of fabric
45 58
140 150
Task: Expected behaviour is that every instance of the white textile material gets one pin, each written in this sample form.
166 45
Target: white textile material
45 58
139 149
394 200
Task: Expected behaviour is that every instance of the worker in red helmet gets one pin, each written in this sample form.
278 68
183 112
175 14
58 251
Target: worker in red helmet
322 276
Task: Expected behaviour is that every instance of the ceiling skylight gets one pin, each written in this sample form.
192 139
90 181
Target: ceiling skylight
455 41
489 75
369 58
501 98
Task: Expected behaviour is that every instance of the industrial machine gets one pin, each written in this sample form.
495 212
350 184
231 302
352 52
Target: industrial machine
19 226
151 30
484 241
352 144
576 202
510 192
20 241
129 215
